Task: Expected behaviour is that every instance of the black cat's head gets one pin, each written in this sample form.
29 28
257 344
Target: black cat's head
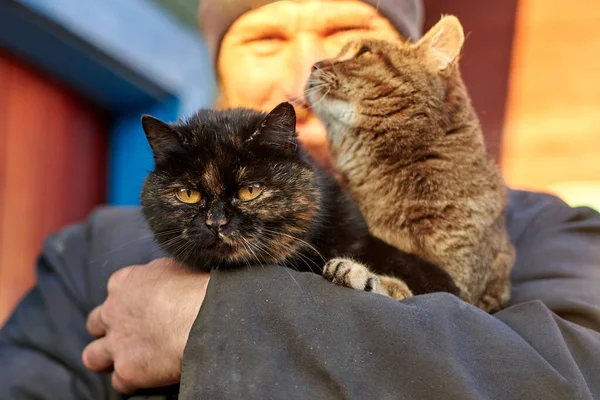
229 187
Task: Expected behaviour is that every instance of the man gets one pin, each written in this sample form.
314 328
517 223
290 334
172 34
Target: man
274 333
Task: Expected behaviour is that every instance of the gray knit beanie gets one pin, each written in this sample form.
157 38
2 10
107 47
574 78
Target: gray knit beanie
216 16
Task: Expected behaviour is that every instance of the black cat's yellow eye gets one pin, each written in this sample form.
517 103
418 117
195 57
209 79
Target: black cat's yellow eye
364 51
249 192
188 196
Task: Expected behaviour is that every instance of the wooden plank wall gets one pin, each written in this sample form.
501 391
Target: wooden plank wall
552 132
52 169
531 68
486 58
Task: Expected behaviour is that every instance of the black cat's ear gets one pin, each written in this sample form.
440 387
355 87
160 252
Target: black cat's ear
161 137
278 129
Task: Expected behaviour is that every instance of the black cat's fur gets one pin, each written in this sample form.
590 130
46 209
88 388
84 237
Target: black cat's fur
302 218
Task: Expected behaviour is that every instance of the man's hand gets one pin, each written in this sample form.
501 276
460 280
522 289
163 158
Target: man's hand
143 326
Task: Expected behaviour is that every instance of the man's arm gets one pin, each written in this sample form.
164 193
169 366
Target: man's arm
275 333
41 344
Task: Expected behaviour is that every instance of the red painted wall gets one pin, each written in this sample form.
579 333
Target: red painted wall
53 148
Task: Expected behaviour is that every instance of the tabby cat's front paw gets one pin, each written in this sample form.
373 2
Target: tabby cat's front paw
354 275
351 274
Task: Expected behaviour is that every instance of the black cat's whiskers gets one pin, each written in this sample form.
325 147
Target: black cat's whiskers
299 257
307 262
174 240
295 281
248 246
154 250
288 247
137 240
158 279
252 246
186 250
256 245
180 250
262 248
297 239
245 259
134 241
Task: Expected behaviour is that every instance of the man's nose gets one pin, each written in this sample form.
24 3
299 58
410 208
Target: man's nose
307 49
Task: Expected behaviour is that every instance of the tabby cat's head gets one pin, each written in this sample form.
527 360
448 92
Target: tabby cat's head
374 84
229 187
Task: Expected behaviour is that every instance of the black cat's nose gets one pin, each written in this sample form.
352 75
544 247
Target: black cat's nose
217 224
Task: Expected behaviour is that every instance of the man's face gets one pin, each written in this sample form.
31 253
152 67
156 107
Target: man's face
267 55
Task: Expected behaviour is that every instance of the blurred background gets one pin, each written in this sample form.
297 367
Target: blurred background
75 76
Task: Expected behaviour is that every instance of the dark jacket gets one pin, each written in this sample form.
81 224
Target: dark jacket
273 333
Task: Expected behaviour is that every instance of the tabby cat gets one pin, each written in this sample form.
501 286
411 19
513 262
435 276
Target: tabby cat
233 188
405 137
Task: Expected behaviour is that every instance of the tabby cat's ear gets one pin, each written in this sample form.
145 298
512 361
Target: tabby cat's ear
441 46
278 129
162 138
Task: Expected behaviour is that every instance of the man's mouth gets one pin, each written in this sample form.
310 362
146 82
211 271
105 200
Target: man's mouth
303 112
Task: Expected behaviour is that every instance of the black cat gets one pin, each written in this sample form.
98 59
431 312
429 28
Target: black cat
234 188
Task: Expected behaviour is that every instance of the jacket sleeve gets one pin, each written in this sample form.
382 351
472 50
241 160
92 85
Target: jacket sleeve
41 343
275 333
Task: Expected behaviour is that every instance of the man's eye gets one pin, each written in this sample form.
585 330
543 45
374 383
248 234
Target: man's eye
271 38
266 38
266 44
345 29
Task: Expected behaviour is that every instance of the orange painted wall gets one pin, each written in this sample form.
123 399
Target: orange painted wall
52 169
552 128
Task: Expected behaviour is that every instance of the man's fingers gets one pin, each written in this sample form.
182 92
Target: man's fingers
120 385
95 325
97 357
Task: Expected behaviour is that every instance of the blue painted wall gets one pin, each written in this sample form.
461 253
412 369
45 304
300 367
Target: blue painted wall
130 153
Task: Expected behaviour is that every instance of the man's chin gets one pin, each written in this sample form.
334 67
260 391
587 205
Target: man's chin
313 137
